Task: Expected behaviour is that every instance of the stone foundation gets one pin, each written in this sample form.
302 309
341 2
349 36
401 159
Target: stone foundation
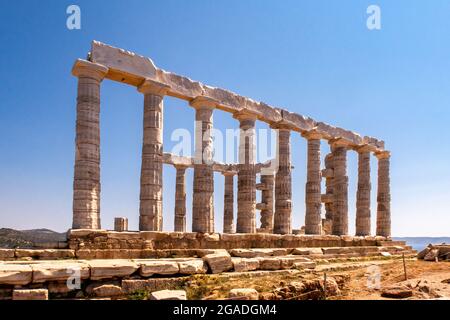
148 240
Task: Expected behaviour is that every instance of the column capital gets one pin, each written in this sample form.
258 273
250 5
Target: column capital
340 142
383 154
313 134
365 148
229 173
181 166
149 86
203 102
84 68
244 115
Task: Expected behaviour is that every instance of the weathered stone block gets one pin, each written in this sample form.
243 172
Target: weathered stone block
244 294
160 267
57 271
307 251
269 263
245 264
105 269
107 290
6 254
132 285
30 294
168 295
15 274
218 262
192 266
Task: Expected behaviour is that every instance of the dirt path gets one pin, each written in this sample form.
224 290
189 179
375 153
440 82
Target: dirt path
422 277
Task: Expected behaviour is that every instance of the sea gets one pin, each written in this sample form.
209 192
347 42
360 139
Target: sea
420 243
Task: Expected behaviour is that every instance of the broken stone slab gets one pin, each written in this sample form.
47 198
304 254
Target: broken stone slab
107 290
6 254
15 274
244 293
245 264
432 255
304 265
59 271
168 295
196 266
307 251
161 267
105 269
397 292
60 287
130 286
269 263
289 261
30 294
260 252
219 262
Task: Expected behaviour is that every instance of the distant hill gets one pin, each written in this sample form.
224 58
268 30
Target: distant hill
10 238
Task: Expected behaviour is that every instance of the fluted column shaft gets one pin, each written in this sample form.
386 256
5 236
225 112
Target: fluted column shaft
313 221
150 207
267 200
228 203
86 185
246 197
340 190
283 194
383 195
180 200
363 193
329 186
203 189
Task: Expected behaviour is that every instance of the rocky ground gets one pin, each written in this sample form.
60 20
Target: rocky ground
345 281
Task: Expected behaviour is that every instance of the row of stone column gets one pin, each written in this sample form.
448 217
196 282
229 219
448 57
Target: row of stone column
86 200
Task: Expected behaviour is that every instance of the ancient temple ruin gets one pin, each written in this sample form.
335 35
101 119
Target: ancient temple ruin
119 264
106 62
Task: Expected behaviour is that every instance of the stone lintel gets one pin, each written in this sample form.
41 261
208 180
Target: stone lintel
296 121
202 102
229 172
84 68
244 115
313 134
150 86
383 154
169 158
340 142
365 148
131 68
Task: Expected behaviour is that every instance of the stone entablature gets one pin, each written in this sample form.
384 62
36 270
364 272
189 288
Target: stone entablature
131 68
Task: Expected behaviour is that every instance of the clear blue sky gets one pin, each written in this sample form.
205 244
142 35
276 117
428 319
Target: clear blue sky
316 58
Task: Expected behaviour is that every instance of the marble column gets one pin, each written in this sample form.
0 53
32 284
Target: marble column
246 197
203 189
267 186
340 187
150 208
282 223
228 202
363 192
313 201
180 199
86 184
383 195
329 179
